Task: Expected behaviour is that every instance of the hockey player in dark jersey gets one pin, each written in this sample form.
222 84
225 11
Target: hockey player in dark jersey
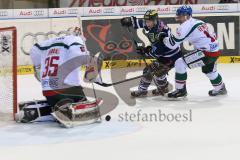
164 57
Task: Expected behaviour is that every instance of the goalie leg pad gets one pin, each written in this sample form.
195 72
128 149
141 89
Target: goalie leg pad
74 114
34 111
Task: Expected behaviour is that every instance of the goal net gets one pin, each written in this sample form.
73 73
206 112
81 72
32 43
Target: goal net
8 73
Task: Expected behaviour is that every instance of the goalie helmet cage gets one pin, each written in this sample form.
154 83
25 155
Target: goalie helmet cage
8 72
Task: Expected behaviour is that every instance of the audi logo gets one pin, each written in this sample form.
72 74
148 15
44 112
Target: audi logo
141 9
108 10
174 9
29 39
38 13
72 11
223 7
3 13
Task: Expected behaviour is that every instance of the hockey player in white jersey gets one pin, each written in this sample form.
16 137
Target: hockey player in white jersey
59 60
205 54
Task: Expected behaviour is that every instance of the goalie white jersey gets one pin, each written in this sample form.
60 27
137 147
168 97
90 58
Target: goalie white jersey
60 60
197 33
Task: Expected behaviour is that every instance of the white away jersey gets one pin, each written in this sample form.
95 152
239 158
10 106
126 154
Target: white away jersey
197 33
60 59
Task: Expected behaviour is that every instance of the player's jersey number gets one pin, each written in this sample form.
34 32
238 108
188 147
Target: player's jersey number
51 67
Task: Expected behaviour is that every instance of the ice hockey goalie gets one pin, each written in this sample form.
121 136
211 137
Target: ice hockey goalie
57 64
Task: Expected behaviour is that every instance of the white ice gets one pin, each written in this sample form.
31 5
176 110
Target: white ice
213 133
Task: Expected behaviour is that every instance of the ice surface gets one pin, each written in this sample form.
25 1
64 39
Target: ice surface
213 133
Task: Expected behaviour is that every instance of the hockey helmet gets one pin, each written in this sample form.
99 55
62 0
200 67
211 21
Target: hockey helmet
184 10
151 15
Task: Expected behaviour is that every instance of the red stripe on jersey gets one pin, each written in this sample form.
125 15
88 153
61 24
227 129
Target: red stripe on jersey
52 92
212 54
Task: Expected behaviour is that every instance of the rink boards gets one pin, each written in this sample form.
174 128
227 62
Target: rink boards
23 70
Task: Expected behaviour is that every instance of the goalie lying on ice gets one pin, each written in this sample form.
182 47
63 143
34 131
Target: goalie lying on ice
57 64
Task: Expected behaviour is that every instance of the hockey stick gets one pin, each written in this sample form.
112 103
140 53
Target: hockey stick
119 82
126 80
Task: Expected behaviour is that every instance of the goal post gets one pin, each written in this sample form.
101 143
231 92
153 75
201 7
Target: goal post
8 71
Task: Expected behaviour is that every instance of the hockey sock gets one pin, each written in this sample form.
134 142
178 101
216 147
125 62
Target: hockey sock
181 73
161 81
180 80
144 84
217 82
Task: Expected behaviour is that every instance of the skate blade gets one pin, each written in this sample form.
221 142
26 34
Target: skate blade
177 99
143 96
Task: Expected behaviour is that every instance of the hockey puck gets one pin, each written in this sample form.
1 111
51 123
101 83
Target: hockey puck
108 118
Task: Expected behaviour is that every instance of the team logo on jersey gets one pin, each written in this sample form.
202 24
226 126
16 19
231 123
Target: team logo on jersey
178 32
213 46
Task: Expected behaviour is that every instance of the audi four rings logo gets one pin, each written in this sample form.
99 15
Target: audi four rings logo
141 9
72 11
174 9
38 13
3 13
108 10
29 39
223 7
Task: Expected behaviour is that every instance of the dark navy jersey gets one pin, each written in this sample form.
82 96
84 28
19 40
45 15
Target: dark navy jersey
159 49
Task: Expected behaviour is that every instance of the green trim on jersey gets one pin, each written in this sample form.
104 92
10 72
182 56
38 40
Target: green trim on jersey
57 44
193 28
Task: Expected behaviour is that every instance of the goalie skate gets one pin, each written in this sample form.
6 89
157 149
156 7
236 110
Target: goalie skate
75 114
33 111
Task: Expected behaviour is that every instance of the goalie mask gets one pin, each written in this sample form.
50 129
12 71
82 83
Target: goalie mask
75 31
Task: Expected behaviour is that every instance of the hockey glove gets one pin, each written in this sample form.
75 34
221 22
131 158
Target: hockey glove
143 50
159 69
126 22
163 34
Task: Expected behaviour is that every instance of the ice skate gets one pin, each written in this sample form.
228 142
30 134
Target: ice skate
222 91
163 90
139 93
178 94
